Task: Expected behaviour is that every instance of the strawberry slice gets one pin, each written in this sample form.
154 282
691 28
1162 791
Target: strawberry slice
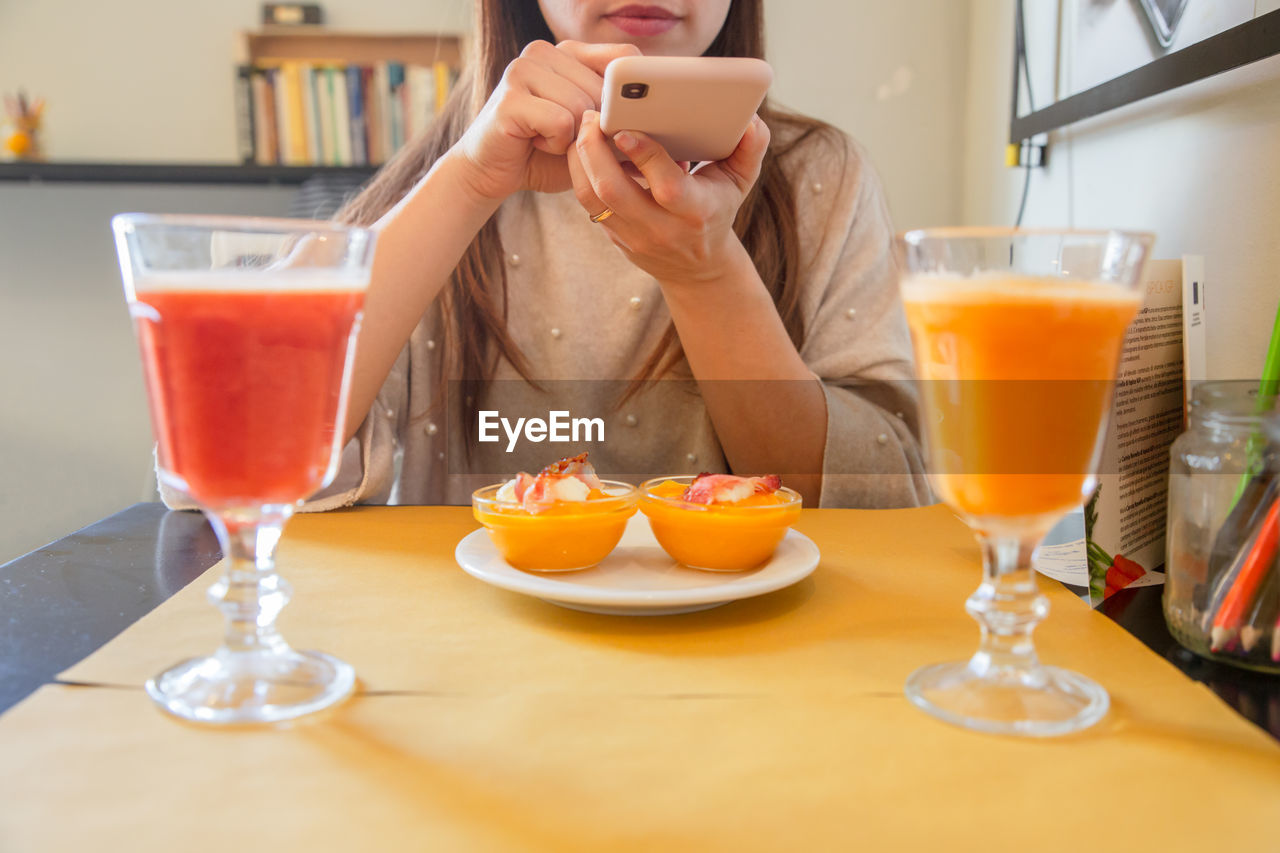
524 482
573 466
535 494
726 488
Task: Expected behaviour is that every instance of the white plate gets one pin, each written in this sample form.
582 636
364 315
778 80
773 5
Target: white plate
638 578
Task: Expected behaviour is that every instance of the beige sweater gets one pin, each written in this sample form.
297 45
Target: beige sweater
586 319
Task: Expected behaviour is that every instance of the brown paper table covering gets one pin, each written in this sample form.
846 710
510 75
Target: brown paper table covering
488 720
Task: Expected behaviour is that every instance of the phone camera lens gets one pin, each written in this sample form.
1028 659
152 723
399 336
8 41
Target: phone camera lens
635 90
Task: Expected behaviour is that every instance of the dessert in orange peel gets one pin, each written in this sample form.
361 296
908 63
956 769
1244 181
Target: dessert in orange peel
562 520
719 522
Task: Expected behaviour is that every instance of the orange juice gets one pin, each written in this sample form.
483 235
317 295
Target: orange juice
1017 375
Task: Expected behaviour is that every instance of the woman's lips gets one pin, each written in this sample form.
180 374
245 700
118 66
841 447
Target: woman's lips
642 20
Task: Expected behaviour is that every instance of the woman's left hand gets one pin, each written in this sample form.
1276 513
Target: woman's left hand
681 228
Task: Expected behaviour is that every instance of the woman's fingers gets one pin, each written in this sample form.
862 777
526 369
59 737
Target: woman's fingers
668 181
604 174
541 62
581 65
549 86
582 190
550 126
743 165
565 75
597 56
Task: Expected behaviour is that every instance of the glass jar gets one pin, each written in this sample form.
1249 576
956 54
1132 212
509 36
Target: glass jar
1219 601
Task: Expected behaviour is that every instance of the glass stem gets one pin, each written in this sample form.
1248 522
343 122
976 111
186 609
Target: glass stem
250 594
1008 606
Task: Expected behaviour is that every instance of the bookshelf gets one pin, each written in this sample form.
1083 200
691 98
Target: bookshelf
309 96
269 48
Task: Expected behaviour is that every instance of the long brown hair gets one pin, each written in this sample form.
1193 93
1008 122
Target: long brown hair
473 306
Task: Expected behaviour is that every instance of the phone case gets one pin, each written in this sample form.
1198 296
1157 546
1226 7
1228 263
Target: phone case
696 107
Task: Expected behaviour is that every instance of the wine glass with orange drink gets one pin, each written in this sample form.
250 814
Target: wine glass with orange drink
1017 337
246 329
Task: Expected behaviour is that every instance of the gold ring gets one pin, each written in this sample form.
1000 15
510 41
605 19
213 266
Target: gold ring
602 215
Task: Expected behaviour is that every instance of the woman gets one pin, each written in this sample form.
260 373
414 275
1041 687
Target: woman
516 258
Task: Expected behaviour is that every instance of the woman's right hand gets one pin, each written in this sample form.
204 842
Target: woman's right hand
519 139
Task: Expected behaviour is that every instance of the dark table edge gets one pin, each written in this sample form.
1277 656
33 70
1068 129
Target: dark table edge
65 600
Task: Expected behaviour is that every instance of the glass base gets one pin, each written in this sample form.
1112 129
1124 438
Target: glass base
242 688
1042 702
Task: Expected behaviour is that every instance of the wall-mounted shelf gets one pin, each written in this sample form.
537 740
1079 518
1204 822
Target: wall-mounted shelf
169 173
277 44
1249 42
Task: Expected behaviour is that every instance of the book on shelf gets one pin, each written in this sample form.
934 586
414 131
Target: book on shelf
245 120
1117 539
298 135
309 108
302 113
395 82
342 116
263 152
358 130
324 129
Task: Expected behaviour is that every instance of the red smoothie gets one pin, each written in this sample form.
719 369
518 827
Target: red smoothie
245 387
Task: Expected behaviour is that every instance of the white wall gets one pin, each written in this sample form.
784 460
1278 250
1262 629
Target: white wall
893 74
1199 166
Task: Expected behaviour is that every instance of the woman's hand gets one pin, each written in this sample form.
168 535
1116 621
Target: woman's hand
519 139
681 228
680 231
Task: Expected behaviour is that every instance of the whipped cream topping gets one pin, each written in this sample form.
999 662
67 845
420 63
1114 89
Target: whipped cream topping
507 492
736 492
566 489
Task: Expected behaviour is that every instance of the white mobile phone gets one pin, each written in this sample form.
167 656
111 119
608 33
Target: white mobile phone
696 107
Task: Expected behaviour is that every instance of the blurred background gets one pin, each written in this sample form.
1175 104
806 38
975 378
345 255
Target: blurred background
924 85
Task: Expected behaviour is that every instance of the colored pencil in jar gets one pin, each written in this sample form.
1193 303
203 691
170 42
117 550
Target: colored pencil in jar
1231 544
1262 616
1257 559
